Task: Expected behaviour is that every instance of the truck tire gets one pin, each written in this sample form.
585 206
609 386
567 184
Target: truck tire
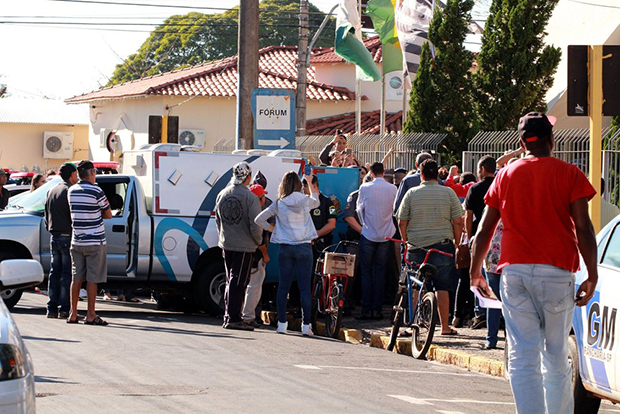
11 296
584 403
210 285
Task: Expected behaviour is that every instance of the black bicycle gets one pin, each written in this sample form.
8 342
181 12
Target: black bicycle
415 306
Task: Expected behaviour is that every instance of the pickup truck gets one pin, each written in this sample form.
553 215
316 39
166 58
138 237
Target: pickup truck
162 234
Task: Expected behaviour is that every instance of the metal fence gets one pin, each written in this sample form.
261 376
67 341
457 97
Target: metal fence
367 148
571 145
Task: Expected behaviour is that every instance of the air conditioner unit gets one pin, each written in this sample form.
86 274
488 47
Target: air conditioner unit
58 145
194 137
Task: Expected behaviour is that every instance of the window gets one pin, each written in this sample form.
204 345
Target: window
612 252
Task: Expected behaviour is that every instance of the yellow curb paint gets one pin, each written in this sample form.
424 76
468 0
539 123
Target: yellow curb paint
458 358
351 335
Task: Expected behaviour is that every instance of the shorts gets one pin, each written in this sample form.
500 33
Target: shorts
444 264
90 263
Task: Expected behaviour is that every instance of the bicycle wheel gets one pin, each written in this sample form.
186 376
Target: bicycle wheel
314 312
400 306
333 313
424 326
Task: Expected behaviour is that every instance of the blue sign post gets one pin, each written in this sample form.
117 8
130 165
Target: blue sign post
274 118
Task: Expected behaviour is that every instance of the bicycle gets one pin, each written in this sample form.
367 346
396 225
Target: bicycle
415 305
331 277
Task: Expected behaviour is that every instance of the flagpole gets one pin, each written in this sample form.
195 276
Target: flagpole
404 116
382 122
358 88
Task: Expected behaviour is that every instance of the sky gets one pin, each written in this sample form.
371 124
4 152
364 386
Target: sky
61 61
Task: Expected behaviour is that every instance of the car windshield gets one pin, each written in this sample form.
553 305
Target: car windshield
32 202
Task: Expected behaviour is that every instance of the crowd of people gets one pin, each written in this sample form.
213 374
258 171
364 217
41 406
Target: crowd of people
524 216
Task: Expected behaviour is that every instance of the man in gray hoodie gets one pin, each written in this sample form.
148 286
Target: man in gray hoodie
236 208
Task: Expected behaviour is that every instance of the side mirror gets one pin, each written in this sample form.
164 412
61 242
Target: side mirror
20 273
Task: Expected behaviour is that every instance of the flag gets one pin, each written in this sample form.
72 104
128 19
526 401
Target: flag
349 43
413 17
382 14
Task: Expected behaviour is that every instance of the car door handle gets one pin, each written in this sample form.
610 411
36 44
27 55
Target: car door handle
118 228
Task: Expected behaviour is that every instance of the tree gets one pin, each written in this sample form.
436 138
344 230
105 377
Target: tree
515 67
442 95
194 38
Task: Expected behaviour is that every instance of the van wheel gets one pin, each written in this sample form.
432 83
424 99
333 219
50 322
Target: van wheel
11 296
584 403
210 285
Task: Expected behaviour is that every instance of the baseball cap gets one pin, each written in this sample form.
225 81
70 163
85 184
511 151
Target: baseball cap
534 125
400 170
85 165
260 179
67 168
258 190
241 170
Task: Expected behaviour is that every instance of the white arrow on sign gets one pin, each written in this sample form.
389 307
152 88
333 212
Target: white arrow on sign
274 142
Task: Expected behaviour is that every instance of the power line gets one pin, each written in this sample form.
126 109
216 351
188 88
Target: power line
143 24
595 4
165 6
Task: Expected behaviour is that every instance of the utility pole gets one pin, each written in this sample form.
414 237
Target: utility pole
595 110
247 68
302 70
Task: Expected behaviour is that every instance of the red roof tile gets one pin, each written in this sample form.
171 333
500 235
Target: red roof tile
373 44
346 122
277 69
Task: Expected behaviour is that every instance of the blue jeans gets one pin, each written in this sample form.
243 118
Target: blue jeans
493 315
295 259
538 304
59 281
373 256
443 263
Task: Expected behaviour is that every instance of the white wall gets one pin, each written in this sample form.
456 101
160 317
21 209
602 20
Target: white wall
579 24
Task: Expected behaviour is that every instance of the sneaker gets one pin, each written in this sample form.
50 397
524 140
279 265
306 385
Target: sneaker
306 330
83 294
52 315
253 324
238 326
478 323
282 326
63 315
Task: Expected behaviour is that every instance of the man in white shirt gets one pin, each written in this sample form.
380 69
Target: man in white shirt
374 209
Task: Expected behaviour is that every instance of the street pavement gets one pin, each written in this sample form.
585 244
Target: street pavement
150 361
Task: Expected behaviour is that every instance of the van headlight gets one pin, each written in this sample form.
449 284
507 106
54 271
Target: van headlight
12 364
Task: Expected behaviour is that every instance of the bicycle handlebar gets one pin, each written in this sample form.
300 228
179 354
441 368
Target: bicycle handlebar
428 251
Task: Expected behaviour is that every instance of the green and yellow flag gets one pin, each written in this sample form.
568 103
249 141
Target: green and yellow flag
382 14
349 43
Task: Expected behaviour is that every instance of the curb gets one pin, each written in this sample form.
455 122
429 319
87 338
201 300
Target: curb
462 359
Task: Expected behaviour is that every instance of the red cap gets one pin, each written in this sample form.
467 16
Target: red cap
258 190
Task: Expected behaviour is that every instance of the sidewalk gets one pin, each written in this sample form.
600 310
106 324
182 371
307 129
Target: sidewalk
464 350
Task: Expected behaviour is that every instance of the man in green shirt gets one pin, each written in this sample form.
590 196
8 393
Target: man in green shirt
431 217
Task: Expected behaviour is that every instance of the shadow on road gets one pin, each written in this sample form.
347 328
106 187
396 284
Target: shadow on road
37 338
51 380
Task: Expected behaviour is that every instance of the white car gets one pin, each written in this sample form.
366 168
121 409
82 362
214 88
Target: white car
17 393
594 350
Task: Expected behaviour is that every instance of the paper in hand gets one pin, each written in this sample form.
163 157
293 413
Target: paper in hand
487 300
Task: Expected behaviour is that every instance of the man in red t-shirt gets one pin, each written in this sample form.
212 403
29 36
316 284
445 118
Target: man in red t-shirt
543 204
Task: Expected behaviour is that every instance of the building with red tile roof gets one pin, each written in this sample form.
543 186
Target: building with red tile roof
204 97
346 123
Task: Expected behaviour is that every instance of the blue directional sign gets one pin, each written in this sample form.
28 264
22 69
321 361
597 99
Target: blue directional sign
274 118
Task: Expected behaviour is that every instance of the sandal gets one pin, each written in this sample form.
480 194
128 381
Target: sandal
451 333
77 320
97 321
